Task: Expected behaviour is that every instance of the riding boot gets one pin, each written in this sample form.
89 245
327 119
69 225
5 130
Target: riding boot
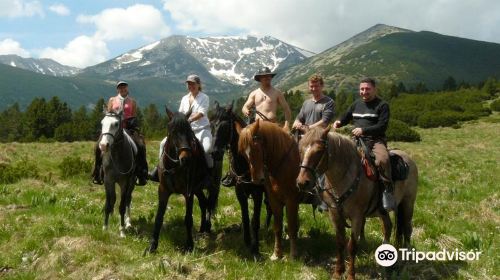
388 201
96 173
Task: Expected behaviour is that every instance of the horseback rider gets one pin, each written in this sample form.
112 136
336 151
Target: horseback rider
197 102
318 111
122 102
265 101
370 117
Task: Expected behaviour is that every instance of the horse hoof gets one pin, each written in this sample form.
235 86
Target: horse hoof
128 226
104 228
122 234
275 257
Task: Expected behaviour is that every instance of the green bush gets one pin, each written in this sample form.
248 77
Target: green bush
495 105
400 131
440 108
11 173
74 166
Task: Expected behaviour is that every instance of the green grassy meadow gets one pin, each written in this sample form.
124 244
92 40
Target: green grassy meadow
51 226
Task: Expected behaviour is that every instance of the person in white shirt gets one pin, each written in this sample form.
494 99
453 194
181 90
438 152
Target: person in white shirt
197 102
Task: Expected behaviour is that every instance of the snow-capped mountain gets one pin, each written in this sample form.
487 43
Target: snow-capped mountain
43 66
232 59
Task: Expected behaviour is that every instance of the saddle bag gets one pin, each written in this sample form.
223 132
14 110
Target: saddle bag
399 167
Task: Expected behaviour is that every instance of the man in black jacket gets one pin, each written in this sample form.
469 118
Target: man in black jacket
370 116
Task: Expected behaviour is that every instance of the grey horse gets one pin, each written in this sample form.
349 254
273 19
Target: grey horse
118 162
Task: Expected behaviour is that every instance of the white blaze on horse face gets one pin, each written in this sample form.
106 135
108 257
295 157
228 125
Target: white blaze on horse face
247 151
109 125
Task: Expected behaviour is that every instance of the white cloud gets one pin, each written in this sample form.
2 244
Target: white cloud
20 8
320 24
9 46
135 21
60 9
80 52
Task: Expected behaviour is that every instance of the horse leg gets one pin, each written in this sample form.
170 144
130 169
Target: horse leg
130 189
385 218
339 224
257 205
362 237
110 202
352 246
404 226
269 211
245 220
292 208
162 207
277 227
188 222
205 220
123 208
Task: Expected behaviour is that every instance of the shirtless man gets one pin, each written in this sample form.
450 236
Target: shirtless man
266 98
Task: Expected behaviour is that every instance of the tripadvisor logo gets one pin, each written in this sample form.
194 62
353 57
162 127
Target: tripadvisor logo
386 255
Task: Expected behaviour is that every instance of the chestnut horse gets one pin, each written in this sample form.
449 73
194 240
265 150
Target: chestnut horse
273 157
350 194
226 127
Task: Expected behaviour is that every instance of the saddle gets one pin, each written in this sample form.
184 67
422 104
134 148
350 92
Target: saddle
399 167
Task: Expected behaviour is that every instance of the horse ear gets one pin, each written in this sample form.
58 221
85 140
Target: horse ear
325 132
286 129
216 105
169 113
238 127
255 127
104 109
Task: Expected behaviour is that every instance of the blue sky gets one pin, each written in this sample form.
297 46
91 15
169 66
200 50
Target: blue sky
83 33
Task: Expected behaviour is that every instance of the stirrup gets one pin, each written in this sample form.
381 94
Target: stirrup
229 180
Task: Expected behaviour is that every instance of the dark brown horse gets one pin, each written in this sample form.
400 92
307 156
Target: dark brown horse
273 157
349 193
226 127
183 170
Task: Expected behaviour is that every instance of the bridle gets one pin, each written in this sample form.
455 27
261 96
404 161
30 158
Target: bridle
337 200
174 161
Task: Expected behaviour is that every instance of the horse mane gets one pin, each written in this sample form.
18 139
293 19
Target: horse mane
341 147
276 140
180 126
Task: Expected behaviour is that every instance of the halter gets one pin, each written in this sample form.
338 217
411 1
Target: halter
337 200
175 162
258 139
117 139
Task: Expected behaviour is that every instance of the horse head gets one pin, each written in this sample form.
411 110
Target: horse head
180 138
313 151
223 129
251 145
110 130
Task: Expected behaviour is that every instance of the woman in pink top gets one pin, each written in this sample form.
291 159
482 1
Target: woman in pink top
122 102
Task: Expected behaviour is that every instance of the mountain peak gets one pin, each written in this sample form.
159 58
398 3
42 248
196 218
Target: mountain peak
44 66
230 59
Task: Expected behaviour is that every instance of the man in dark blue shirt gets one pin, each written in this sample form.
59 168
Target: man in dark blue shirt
370 116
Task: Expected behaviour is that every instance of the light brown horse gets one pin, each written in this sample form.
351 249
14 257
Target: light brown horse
350 194
274 160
